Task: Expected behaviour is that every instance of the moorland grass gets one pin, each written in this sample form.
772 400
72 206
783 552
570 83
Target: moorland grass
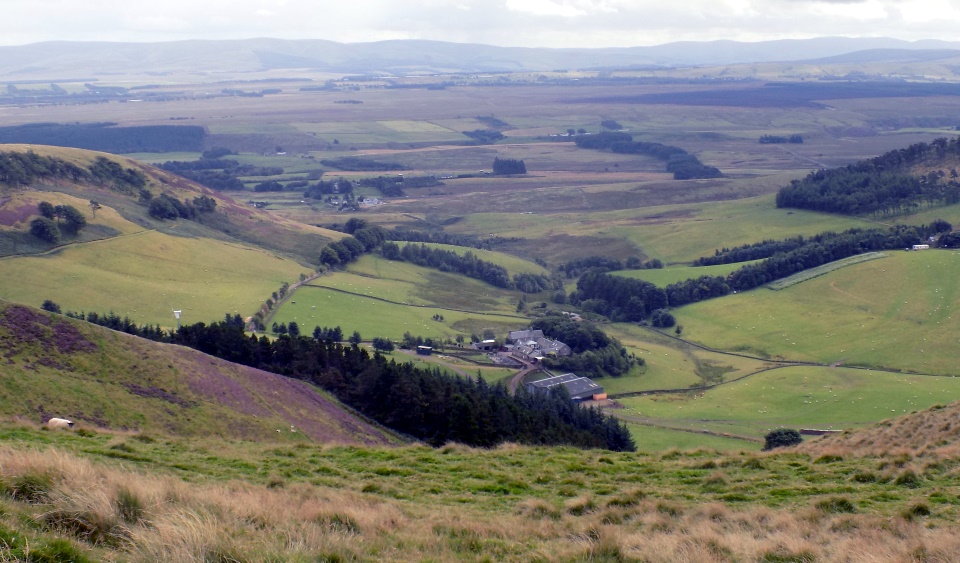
301 502
673 233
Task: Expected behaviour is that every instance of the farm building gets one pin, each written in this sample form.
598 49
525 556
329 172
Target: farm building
424 350
579 388
534 346
487 346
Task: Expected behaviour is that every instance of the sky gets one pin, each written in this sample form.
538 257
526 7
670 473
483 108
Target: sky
513 23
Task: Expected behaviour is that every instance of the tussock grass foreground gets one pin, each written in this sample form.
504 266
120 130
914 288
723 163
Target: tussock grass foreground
245 502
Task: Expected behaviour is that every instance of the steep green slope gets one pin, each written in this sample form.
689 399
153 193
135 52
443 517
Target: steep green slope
58 367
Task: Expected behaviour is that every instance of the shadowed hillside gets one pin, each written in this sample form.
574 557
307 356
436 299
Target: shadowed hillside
58 367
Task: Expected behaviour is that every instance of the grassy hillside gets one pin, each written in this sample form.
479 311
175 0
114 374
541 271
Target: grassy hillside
130 263
232 221
379 297
59 367
148 274
99 496
894 312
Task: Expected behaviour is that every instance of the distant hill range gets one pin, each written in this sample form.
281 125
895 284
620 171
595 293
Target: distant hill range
61 60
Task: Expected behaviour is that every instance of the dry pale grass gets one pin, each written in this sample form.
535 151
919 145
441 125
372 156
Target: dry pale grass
144 517
934 430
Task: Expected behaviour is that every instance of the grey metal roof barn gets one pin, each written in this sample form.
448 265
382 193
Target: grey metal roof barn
579 388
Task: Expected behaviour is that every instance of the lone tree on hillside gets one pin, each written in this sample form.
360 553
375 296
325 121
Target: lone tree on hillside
781 438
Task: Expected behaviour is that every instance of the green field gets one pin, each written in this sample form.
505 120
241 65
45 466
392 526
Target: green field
378 297
663 277
657 439
795 397
147 275
811 273
895 312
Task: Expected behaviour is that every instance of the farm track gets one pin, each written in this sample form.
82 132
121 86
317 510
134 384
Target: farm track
779 364
58 248
451 367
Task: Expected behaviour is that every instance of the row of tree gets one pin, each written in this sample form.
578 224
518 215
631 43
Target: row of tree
423 403
829 247
24 168
768 248
220 173
883 185
359 164
780 139
682 164
578 266
624 299
352 247
468 265
166 206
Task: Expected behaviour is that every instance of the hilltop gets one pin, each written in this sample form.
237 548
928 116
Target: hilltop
101 379
928 430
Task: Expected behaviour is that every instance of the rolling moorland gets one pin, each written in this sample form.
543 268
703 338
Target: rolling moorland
288 167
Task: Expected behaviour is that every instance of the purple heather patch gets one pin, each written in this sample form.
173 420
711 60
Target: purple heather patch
10 216
68 339
157 393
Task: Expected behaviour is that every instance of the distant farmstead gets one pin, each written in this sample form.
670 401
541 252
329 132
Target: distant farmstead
579 388
532 345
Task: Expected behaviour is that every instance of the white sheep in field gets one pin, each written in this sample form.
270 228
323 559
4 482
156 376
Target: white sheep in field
60 423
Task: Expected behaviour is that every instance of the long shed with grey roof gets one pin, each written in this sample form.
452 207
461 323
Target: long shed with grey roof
579 388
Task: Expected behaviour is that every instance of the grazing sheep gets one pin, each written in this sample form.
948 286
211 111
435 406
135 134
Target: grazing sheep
60 423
